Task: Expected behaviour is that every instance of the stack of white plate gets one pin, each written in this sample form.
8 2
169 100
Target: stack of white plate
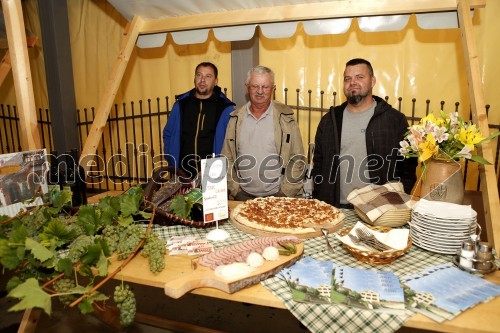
441 227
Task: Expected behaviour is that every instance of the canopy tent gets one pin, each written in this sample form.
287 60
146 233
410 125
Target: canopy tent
189 22
155 10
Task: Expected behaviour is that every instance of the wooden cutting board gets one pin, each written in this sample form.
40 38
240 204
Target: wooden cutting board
203 276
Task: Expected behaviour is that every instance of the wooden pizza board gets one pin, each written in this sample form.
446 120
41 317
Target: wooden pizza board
202 276
316 233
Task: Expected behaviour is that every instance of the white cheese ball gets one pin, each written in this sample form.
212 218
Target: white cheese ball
234 271
254 259
271 253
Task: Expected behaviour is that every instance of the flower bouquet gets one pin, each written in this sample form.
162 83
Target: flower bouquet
444 138
439 143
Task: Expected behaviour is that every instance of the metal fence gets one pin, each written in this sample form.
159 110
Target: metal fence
131 145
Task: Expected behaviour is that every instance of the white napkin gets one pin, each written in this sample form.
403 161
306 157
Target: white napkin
444 210
395 238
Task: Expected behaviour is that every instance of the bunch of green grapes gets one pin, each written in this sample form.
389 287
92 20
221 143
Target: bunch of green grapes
63 286
154 250
130 236
125 300
111 234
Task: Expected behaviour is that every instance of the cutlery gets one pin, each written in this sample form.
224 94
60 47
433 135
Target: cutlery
356 240
367 236
328 245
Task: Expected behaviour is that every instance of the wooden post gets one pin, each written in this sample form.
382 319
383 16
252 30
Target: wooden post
5 67
478 107
16 36
106 101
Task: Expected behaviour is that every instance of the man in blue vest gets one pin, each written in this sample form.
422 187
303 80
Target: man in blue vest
197 123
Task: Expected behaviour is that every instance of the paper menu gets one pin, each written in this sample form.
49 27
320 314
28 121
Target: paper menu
323 282
442 292
214 189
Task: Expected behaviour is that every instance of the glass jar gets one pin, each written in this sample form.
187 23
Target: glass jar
484 260
467 254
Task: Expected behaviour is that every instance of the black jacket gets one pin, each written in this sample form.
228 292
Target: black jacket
385 130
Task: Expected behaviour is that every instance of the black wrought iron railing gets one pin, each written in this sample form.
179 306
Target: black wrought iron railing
131 145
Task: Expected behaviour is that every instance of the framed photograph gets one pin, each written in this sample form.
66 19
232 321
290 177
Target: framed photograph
23 180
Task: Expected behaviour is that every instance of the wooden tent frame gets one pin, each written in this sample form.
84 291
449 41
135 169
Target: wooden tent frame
137 26
17 57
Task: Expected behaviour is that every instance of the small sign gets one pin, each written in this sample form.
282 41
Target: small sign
214 189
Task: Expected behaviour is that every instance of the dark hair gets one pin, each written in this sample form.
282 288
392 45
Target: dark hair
359 61
207 64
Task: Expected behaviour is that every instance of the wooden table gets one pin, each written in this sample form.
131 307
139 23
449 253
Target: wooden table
482 318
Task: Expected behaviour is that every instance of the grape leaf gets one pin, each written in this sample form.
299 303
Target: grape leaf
13 282
109 206
109 203
85 306
125 221
87 218
31 296
39 251
181 206
93 252
144 214
102 265
57 230
108 216
64 266
8 255
62 198
19 234
129 205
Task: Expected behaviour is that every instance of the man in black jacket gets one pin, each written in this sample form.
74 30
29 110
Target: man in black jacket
357 142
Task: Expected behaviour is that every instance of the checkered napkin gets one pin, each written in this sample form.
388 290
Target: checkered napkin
374 200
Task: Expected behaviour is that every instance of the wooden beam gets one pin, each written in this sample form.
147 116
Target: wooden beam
16 37
106 101
301 12
5 67
478 107
30 320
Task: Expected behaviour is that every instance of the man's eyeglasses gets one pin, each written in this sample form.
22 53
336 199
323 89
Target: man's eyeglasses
264 88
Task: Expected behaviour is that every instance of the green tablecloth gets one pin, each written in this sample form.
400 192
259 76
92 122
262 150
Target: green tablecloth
328 317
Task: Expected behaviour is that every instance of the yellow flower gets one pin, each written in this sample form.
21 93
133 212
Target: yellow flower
427 148
469 136
431 118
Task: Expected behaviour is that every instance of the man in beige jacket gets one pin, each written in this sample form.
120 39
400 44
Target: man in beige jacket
263 145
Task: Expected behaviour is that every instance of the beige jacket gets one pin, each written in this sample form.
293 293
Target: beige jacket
288 144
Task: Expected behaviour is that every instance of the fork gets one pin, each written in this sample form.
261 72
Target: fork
328 245
367 236
356 240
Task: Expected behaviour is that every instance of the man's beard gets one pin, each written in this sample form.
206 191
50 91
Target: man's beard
355 99
203 92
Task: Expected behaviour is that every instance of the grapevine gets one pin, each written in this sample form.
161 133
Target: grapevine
48 249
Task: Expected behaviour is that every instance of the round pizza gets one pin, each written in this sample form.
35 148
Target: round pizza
286 215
